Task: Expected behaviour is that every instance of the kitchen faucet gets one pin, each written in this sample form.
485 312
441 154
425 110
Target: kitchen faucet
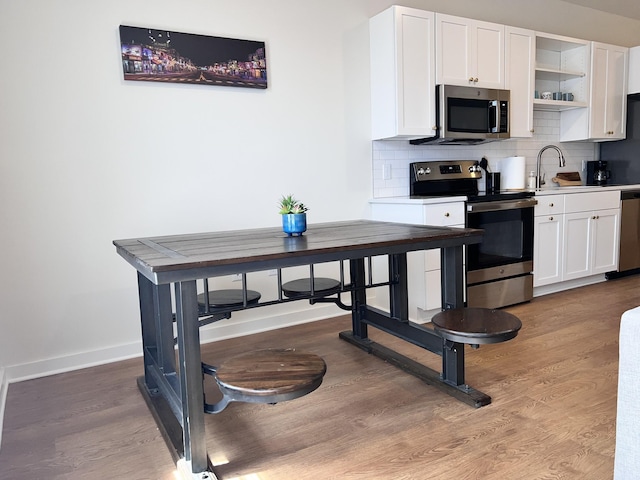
561 162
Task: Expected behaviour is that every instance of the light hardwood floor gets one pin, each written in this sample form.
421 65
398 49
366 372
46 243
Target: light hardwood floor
552 416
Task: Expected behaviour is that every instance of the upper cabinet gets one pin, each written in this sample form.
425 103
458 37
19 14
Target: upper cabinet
519 53
469 52
414 50
609 65
634 70
605 117
402 73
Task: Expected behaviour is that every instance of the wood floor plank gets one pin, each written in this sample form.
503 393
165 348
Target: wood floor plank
552 414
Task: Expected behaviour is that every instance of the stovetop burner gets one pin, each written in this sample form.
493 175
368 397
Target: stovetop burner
452 178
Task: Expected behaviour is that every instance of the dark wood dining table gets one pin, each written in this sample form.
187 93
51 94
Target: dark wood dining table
174 390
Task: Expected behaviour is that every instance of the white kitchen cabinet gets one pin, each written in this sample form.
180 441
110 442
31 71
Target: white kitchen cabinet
609 65
469 52
548 240
402 73
423 267
605 119
591 234
575 236
520 50
634 71
590 243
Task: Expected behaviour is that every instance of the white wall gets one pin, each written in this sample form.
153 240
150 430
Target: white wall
86 158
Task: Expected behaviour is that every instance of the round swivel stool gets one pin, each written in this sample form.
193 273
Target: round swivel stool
476 326
230 298
301 287
266 376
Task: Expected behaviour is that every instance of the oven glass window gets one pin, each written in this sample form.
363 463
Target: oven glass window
467 115
508 238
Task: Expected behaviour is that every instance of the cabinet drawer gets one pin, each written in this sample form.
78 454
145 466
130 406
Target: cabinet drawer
444 214
584 202
549 205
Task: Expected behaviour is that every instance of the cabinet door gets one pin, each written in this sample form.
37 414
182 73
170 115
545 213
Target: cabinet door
608 91
606 234
402 73
520 51
453 51
577 245
547 253
488 54
469 52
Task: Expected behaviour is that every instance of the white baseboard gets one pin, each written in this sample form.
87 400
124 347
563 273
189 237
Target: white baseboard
568 285
210 333
214 332
4 385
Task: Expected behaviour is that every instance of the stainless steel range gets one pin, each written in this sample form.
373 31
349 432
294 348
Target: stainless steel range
499 270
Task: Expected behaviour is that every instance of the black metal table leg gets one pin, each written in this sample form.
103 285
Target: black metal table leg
193 432
157 330
398 296
358 297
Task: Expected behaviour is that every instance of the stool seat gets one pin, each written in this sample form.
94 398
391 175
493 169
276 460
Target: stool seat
268 376
476 325
228 298
301 287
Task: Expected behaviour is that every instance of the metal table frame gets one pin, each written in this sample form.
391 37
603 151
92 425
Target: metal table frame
174 392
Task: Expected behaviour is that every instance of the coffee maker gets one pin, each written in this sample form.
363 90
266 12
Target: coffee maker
597 173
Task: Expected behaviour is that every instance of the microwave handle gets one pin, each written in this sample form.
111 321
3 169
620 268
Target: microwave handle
494 116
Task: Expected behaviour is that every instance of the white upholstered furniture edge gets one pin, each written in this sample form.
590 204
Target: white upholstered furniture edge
627 456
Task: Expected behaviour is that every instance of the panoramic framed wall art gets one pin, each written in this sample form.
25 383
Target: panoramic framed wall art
164 56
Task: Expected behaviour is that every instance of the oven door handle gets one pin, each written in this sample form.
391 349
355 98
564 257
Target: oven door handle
501 205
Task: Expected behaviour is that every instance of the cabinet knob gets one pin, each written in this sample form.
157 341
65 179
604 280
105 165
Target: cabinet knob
471 79
551 204
550 218
446 214
532 130
435 127
475 79
594 217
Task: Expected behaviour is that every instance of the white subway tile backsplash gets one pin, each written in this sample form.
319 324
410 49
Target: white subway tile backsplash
399 154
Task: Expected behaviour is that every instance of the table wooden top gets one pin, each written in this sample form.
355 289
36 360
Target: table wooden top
191 256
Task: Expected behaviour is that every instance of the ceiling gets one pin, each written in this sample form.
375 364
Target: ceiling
625 8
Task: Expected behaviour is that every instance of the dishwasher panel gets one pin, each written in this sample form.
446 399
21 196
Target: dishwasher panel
630 231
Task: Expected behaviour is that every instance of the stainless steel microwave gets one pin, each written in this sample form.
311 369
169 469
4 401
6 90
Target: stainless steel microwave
469 115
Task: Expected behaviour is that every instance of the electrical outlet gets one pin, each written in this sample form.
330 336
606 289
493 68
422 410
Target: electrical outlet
386 171
236 277
273 273
584 165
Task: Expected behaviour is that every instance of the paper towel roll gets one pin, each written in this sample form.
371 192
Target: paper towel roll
512 173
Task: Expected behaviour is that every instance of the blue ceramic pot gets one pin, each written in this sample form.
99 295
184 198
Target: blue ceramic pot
294 223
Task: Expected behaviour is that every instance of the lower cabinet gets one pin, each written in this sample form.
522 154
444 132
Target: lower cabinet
575 236
548 246
423 267
591 243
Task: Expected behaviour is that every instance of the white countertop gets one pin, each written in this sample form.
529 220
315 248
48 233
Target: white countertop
555 190
547 190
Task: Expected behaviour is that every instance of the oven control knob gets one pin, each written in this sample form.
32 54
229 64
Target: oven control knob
474 168
424 171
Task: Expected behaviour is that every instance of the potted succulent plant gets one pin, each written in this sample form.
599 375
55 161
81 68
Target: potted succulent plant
294 216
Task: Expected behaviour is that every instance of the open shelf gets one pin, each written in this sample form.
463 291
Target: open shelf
545 73
556 105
